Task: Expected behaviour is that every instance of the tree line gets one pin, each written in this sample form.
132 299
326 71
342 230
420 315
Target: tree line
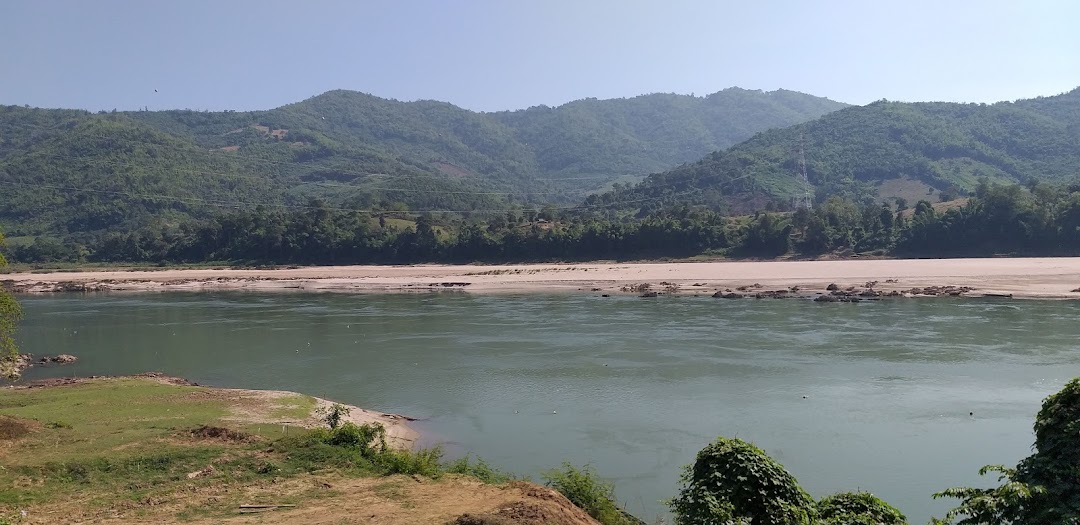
996 220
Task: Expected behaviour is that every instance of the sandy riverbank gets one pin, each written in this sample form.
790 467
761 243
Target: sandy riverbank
1057 278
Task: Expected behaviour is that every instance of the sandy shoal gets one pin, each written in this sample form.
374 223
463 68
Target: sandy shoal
1021 277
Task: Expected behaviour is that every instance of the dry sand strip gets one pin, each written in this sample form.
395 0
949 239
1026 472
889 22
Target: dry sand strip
1057 278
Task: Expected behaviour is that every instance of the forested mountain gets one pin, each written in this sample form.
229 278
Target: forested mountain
652 132
64 172
881 151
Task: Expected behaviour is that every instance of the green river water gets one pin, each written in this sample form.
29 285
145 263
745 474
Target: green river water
872 396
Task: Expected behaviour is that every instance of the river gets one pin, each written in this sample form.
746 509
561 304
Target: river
900 398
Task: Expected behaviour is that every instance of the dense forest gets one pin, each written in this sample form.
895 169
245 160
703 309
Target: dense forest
882 150
997 220
67 171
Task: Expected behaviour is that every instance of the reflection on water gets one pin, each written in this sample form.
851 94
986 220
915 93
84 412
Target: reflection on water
639 385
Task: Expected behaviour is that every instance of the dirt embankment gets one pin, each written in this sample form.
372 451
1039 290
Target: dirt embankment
318 499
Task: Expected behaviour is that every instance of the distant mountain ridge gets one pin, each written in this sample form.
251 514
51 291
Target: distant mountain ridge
64 171
881 151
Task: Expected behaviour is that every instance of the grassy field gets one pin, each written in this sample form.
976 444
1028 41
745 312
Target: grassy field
127 443
130 450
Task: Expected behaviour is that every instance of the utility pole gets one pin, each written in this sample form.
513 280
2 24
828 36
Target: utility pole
805 200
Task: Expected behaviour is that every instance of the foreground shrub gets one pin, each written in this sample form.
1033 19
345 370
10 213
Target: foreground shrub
1045 486
732 481
363 448
857 508
368 439
479 470
423 462
588 492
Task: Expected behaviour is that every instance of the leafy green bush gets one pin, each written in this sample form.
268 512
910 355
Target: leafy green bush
423 462
588 492
1006 503
368 439
333 415
733 481
857 508
1045 486
357 447
479 470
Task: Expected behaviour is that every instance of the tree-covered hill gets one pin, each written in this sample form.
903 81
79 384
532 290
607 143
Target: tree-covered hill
83 173
880 151
69 171
649 133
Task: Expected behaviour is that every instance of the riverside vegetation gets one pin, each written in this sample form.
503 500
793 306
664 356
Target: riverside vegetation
1042 219
158 443
10 313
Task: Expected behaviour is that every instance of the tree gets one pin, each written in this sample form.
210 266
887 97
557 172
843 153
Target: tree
1055 465
334 414
1001 505
10 314
1045 486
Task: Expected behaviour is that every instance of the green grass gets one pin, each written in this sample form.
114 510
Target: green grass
122 442
123 417
294 407
585 489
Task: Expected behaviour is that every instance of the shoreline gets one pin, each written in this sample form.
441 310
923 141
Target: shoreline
1028 278
398 433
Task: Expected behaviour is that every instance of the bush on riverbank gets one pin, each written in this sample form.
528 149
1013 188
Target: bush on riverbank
1045 486
363 449
735 482
584 488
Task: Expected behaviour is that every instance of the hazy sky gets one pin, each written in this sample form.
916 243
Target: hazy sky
509 54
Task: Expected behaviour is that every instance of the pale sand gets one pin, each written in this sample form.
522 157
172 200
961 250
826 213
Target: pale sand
1022 277
398 433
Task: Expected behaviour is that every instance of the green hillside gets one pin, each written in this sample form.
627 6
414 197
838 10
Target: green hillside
610 139
66 171
881 151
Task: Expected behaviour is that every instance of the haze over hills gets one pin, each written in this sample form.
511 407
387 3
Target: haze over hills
880 151
65 171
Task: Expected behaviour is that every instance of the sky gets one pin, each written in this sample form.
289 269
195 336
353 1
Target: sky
512 54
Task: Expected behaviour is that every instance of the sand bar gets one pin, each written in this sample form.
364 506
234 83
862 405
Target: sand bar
1057 278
